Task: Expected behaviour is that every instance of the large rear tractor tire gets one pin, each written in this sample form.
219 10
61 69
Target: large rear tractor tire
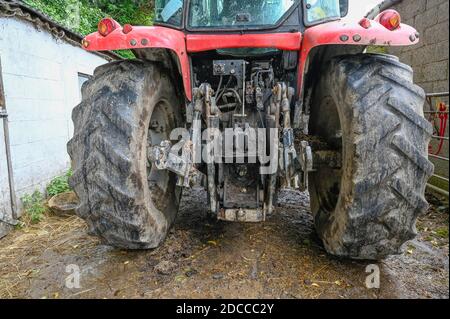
126 107
368 109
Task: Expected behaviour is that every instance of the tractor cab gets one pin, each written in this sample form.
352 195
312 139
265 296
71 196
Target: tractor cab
233 15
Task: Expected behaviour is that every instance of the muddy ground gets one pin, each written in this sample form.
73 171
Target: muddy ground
281 258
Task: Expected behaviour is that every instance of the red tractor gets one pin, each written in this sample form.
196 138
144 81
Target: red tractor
244 98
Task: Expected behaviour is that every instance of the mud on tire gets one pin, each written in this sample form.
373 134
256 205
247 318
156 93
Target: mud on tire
127 106
368 108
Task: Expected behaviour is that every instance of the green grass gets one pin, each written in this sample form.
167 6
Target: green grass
34 206
59 185
442 232
377 49
82 16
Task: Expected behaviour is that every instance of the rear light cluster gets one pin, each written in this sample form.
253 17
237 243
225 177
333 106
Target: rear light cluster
107 26
390 19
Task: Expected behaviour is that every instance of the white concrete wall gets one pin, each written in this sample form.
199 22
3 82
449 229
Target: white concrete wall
40 76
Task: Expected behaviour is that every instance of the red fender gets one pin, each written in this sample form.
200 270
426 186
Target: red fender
177 41
338 32
142 38
345 33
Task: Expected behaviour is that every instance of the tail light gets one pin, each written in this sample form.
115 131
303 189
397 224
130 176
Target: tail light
365 23
390 19
85 43
106 26
127 28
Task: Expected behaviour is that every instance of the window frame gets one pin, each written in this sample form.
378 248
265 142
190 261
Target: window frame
317 22
173 26
279 23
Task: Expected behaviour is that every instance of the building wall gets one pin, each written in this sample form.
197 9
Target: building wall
40 76
430 58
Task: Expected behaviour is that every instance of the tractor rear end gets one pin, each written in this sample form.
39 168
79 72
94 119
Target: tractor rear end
244 99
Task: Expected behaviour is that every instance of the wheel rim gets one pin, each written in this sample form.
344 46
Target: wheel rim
161 124
326 181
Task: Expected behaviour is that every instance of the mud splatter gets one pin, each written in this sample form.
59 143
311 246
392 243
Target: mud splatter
202 258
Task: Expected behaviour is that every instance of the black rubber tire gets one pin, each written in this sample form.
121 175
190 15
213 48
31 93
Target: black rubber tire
123 200
368 108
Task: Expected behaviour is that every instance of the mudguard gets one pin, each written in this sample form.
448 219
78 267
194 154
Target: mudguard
332 33
143 38
351 33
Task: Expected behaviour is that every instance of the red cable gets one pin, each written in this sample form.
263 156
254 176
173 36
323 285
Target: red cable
443 120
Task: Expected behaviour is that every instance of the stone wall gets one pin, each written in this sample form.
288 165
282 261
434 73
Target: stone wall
430 58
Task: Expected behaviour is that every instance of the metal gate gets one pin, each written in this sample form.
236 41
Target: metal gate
436 111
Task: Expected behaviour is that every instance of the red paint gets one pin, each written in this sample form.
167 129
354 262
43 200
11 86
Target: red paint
206 42
106 26
157 37
365 23
330 33
181 44
442 115
390 19
127 28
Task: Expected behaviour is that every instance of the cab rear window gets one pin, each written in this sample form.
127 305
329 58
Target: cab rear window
317 11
